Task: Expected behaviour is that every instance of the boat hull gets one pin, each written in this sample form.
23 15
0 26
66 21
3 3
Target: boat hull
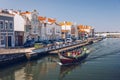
71 60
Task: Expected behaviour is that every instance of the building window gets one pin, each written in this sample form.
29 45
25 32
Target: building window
6 25
1 25
50 30
2 42
11 25
1 37
27 29
34 31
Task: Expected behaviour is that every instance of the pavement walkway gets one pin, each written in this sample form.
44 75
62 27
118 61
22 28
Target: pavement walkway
18 50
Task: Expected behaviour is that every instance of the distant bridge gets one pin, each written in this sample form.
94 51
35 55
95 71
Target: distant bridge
108 34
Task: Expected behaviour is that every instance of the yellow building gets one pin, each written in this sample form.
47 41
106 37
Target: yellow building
85 31
66 29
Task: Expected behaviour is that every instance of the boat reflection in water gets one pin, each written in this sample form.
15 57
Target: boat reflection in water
68 69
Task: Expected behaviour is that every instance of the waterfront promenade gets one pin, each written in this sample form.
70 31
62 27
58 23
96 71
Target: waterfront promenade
50 49
15 50
80 44
8 56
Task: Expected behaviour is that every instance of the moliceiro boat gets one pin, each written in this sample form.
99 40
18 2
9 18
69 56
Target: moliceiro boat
74 56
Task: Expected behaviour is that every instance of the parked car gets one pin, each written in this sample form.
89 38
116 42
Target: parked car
52 41
68 40
46 42
59 42
29 43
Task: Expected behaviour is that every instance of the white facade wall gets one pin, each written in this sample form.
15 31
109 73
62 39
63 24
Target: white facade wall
29 16
19 23
35 25
66 27
58 32
87 30
53 31
76 30
43 31
49 29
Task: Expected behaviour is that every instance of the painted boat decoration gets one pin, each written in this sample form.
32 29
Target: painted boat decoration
74 56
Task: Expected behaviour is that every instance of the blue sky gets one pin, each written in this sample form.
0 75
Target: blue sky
103 15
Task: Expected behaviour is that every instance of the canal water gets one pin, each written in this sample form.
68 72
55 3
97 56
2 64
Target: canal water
103 63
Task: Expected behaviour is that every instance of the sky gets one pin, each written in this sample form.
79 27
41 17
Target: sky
103 15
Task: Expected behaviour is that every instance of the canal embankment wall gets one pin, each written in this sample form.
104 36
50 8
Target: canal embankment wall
10 59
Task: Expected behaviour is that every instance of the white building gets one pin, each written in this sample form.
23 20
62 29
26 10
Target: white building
19 24
50 30
66 28
53 31
32 27
27 26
